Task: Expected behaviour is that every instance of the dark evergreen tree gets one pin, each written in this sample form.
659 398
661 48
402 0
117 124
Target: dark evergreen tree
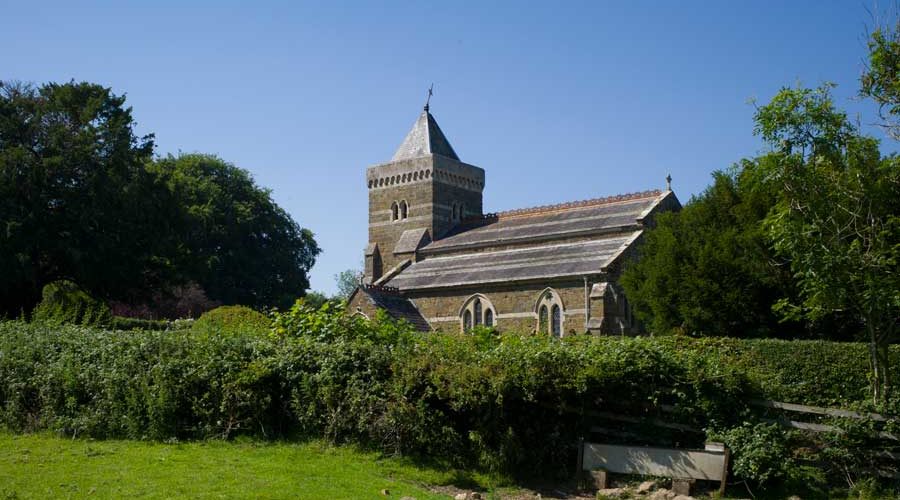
81 199
76 202
708 270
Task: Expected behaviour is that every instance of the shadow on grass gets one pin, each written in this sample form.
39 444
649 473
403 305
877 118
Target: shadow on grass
448 474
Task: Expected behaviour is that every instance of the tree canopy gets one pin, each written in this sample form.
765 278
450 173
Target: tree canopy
803 240
232 238
75 200
82 199
837 218
346 282
708 270
880 80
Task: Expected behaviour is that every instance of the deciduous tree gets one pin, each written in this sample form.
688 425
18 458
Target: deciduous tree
82 199
346 282
838 216
233 240
881 79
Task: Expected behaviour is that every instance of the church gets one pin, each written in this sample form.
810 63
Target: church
437 260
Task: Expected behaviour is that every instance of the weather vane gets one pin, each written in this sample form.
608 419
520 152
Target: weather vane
430 93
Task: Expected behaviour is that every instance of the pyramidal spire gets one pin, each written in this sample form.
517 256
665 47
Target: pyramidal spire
425 138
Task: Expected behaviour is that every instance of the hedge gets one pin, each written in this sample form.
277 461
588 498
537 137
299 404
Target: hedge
811 372
502 403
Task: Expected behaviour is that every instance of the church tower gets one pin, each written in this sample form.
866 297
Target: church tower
420 195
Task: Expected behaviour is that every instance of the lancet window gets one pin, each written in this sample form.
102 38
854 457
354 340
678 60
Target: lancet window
550 313
477 310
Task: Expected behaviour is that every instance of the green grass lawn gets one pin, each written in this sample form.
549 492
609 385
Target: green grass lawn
45 466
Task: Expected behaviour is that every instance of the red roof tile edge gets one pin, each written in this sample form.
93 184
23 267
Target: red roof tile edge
522 212
384 289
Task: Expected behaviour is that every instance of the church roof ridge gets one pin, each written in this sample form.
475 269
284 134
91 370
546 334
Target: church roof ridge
543 209
425 138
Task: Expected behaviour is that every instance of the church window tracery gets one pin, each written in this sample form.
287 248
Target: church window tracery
550 313
477 310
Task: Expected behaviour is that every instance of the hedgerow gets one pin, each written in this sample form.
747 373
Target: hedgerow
505 403
811 372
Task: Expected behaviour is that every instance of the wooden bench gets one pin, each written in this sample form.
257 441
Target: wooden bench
682 465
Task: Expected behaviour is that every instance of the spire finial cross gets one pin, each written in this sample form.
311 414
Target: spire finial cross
428 99
668 182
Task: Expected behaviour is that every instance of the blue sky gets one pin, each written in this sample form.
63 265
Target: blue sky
557 101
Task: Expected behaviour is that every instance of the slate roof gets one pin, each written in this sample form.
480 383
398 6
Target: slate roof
425 138
397 306
616 213
545 261
604 228
411 240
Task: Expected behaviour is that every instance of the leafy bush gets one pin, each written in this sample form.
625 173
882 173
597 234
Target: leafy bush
232 320
64 302
505 403
760 452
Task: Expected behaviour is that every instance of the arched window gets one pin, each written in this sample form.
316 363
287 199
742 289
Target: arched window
403 209
394 211
555 326
550 313
477 310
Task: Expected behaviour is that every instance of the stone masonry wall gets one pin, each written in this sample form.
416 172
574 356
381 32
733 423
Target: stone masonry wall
429 185
514 306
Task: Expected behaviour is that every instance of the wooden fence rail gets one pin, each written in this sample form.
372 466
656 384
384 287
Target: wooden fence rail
817 410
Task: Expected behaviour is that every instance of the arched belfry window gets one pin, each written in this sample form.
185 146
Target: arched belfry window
550 313
477 310
404 209
395 211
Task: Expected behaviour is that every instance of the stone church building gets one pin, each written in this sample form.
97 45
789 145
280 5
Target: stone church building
436 259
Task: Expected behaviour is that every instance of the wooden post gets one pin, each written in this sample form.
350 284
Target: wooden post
579 461
725 472
600 478
682 486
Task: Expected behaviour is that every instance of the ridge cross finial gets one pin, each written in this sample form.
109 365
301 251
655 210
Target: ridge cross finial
428 99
